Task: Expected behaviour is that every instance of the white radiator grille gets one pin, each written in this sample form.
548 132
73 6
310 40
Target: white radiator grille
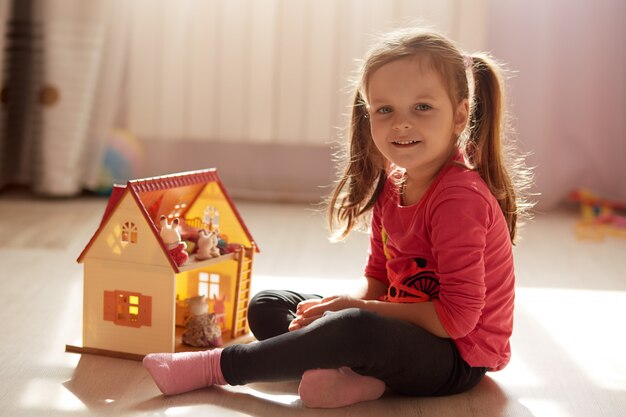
271 71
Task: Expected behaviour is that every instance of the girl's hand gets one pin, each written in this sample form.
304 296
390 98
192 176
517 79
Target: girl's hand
303 306
306 304
311 310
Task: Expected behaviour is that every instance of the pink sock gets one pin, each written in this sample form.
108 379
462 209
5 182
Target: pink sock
332 388
175 373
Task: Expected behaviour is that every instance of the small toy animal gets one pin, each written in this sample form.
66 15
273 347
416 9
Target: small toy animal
207 245
170 236
219 309
201 328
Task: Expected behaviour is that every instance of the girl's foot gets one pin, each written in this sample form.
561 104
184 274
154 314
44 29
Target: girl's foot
175 373
332 388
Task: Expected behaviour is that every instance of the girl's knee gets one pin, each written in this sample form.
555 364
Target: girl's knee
267 302
268 315
263 297
258 303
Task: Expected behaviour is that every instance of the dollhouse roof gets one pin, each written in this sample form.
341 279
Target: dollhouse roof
175 193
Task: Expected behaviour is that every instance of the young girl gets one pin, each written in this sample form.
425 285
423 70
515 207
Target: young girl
435 309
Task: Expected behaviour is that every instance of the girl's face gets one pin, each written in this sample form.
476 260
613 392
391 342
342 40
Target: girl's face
412 120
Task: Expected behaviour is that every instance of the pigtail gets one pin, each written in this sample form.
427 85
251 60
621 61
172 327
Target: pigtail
362 179
486 148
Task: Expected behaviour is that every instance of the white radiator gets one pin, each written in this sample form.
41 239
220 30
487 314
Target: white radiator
270 71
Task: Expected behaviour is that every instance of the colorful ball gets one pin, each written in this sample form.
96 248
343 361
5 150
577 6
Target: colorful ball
122 161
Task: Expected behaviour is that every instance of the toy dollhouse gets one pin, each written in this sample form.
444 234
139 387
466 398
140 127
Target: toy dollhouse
135 289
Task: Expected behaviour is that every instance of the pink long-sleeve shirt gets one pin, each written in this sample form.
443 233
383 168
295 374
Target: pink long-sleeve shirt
452 248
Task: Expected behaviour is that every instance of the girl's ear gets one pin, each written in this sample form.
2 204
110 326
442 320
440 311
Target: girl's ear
461 117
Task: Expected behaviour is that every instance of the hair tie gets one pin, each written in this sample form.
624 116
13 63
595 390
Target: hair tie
469 61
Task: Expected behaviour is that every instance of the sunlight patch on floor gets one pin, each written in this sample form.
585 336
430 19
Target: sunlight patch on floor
585 325
44 394
544 408
275 397
68 322
518 374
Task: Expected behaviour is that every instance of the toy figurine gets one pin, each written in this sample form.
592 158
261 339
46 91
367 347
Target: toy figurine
219 310
202 329
207 245
171 237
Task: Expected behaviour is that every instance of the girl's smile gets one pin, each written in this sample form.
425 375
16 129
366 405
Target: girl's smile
406 142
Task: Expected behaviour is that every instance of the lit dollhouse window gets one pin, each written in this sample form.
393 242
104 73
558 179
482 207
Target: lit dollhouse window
122 302
133 308
206 218
209 284
203 283
211 217
178 210
214 286
129 232
128 309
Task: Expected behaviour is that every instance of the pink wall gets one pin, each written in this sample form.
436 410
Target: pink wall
568 95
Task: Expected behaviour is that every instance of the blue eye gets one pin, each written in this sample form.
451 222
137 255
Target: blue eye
423 107
384 110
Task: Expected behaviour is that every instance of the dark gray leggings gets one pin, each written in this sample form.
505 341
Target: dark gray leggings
407 358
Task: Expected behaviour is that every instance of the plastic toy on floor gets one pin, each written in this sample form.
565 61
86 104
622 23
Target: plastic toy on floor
171 238
201 329
600 217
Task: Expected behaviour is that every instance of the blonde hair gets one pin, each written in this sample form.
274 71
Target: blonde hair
483 143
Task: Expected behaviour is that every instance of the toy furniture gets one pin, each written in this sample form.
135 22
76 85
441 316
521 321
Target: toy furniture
135 290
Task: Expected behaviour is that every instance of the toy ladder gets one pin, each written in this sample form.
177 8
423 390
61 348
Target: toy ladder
244 276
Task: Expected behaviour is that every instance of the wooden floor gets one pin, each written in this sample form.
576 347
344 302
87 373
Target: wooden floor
568 346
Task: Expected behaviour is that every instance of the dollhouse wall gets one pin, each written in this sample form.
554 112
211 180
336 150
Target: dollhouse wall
110 245
149 281
126 256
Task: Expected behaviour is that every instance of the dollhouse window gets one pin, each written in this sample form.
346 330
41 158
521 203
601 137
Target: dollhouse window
128 309
133 308
214 286
178 210
203 283
208 284
129 232
211 217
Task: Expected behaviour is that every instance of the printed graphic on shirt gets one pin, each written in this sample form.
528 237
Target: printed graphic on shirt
384 237
411 281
